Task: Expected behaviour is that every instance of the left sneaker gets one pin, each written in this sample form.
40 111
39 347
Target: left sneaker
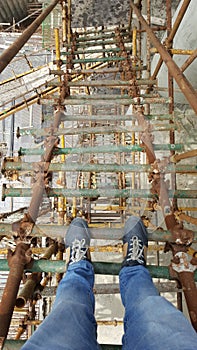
77 241
135 242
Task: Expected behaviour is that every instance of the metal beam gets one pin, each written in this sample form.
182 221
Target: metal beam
107 193
11 52
90 167
112 233
101 149
185 86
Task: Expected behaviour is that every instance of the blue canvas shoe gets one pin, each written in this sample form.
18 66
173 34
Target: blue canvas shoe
77 241
135 242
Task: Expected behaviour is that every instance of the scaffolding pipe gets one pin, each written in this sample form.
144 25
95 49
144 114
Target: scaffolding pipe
16 262
190 59
185 86
18 259
103 268
107 193
100 149
112 117
93 130
112 233
84 100
107 83
172 33
189 154
91 167
12 51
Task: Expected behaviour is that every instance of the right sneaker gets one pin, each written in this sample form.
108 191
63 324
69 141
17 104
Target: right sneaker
77 241
135 242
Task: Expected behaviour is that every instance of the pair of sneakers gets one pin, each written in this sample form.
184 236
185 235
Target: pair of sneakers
135 242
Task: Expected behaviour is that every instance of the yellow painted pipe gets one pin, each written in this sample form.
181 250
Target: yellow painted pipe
175 51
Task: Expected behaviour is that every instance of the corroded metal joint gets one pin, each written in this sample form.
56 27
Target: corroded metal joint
182 263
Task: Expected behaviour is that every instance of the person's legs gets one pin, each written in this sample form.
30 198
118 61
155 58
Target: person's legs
71 324
150 322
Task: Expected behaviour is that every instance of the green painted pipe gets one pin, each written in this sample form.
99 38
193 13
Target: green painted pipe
100 268
88 167
89 51
17 345
112 233
96 59
100 149
97 43
69 117
93 130
108 193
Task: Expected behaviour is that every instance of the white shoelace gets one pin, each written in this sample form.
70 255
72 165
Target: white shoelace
136 248
78 251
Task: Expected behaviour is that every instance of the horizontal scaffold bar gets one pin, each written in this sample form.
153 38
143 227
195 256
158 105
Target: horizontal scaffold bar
107 117
106 83
102 192
100 30
97 43
110 35
94 71
73 101
100 268
90 167
101 149
112 233
11 344
96 59
78 71
90 51
94 130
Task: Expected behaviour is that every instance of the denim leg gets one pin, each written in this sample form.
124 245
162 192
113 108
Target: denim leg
71 324
151 322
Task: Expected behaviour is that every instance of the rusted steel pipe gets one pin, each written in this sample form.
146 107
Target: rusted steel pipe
11 52
178 20
184 85
189 61
159 187
27 291
25 225
52 249
189 154
33 280
107 83
184 267
23 228
184 217
16 262
189 287
94 71
172 33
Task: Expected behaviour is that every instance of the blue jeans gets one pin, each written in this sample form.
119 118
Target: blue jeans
150 323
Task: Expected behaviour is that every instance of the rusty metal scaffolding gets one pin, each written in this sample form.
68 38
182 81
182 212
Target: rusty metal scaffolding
110 151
